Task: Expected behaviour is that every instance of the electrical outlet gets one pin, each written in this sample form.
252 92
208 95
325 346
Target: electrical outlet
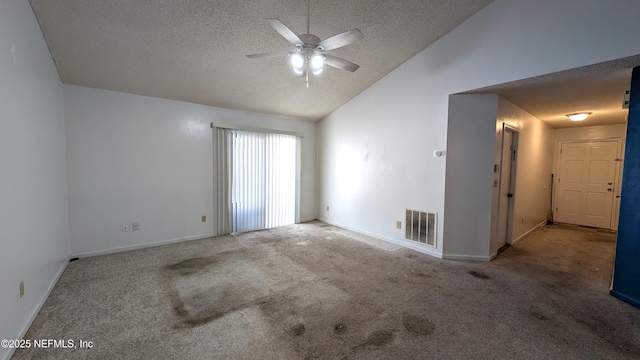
125 227
135 226
203 218
21 289
398 224
327 207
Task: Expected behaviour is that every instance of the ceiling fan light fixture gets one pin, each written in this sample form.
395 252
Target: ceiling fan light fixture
317 62
578 116
297 61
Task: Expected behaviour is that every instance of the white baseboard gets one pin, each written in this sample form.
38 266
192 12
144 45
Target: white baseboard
37 308
407 244
307 220
139 246
466 257
516 240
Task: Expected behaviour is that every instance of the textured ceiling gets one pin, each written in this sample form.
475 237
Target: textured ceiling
193 50
598 89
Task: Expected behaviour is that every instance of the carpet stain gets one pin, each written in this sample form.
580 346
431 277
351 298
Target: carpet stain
197 306
478 274
296 330
418 325
538 316
423 276
377 339
191 266
179 309
339 329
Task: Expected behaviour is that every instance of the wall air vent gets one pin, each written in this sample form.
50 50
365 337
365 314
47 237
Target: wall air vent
420 226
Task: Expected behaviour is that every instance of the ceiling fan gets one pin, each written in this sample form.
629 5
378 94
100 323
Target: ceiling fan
310 54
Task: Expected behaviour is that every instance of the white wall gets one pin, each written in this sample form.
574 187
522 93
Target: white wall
589 133
475 124
532 197
470 152
139 159
390 130
34 233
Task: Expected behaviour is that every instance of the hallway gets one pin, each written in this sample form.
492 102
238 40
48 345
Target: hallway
563 254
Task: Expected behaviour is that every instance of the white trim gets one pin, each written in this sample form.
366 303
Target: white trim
404 243
513 177
140 246
466 257
516 240
255 129
308 219
37 308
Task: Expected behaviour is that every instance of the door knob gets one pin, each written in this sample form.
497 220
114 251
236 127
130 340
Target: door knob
609 189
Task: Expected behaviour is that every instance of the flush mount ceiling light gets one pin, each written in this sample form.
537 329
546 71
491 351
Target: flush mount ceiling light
578 116
310 53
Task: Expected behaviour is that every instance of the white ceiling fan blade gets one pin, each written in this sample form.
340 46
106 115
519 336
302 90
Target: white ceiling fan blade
340 40
258 56
340 63
286 33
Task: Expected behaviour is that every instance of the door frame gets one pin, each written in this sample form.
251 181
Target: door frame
512 180
617 180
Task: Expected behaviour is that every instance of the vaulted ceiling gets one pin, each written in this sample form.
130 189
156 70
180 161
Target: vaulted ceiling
194 50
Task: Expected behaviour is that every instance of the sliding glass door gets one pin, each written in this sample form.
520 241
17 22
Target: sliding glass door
259 182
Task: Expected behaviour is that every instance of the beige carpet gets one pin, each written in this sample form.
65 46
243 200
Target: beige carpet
313 291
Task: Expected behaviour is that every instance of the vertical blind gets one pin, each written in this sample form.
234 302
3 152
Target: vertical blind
281 180
261 172
222 169
248 189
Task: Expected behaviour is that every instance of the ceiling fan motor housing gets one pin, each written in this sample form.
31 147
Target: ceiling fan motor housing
310 41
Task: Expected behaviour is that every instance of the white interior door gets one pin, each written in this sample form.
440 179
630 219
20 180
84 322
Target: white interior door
586 183
506 187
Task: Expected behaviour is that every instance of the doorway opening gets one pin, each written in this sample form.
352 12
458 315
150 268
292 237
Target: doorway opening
507 185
